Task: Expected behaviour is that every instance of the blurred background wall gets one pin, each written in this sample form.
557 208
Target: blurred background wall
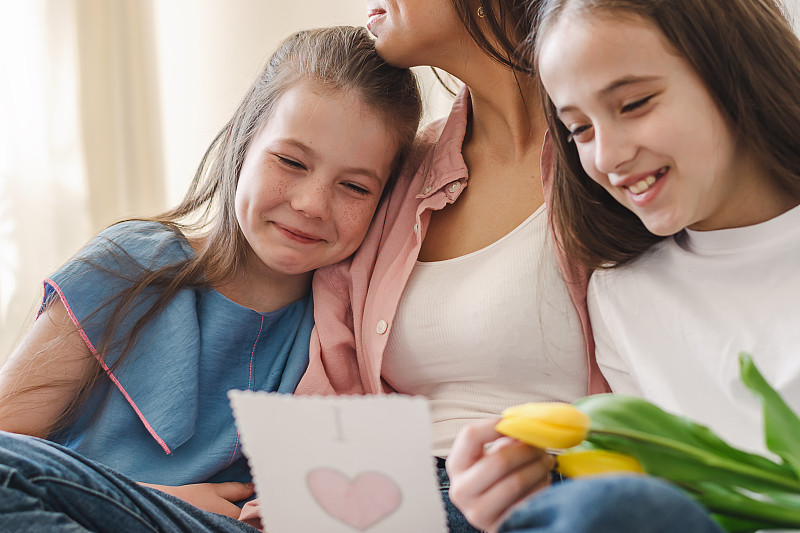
106 107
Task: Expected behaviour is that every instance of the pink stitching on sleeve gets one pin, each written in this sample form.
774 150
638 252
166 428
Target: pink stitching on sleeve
110 374
249 384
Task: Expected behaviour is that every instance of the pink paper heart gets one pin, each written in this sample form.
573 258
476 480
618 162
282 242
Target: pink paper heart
361 502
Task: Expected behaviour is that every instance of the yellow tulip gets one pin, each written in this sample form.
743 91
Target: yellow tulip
596 462
548 425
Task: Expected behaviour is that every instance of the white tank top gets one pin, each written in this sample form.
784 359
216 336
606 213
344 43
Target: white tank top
487 330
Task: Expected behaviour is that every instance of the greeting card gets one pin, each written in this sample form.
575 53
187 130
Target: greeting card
340 464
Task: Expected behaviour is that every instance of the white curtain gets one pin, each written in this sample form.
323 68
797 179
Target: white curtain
43 183
106 107
80 139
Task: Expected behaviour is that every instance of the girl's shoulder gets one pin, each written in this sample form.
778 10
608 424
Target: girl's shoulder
654 265
148 243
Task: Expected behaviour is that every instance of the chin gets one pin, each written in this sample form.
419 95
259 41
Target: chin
664 230
392 56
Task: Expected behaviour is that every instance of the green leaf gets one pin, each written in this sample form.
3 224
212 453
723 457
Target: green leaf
781 424
736 525
758 510
677 449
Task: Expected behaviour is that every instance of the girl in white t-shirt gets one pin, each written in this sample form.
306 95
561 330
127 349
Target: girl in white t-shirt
677 126
688 119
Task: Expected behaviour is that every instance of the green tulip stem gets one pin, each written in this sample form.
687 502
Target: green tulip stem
740 506
710 459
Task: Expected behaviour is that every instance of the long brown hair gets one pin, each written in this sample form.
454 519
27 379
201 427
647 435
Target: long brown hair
339 58
502 28
749 59
500 32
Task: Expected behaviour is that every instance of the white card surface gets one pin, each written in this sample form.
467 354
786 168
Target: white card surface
340 463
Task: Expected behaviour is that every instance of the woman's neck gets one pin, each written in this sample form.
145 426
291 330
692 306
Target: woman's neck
506 119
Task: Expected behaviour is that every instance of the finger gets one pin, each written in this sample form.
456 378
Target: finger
227 508
505 466
501 443
468 446
234 491
501 462
489 507
498 501
495 525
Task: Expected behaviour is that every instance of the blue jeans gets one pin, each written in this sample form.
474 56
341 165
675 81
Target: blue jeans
456 523
46 487
623 504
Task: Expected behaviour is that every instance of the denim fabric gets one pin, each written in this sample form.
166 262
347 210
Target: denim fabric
46 487
623 504
456 523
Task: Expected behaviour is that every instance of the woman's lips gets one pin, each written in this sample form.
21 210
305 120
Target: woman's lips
373 15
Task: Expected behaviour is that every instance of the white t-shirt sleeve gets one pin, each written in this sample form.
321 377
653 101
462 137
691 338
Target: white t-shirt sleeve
609 357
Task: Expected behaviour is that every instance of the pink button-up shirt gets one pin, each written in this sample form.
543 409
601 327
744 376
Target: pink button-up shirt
355 301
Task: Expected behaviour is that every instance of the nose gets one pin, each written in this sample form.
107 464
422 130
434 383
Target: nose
311 196
613 149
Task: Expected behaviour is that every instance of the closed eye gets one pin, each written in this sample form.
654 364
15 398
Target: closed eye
358 189
576 134
290 162
633 106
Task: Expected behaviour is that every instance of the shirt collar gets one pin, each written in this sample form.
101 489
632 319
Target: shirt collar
447 162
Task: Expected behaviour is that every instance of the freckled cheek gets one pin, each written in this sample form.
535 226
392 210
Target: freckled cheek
273 182
265 188
354 219
279 188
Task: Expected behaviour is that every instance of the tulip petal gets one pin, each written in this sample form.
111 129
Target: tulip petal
547 425
584 463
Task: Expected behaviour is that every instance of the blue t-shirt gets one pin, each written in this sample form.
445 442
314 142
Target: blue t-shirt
163 416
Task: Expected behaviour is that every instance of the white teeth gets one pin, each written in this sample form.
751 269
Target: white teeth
641 186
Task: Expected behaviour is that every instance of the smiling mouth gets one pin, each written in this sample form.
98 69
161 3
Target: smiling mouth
644 184
297 235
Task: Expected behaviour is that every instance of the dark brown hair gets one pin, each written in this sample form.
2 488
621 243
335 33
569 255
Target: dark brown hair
339 59
749 59
504 26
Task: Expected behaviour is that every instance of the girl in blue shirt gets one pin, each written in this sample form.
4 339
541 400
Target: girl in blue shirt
142 333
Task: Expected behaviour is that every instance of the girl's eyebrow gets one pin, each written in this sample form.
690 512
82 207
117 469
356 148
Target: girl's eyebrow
297 144
612 87
624 82
366 173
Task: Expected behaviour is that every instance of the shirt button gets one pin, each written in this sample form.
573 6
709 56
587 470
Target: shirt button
381 327
427 190
454 186
416 228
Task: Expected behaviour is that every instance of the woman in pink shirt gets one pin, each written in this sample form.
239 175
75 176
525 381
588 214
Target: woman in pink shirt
456 293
